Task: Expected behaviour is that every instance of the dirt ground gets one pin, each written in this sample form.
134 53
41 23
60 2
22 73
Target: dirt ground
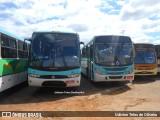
142 95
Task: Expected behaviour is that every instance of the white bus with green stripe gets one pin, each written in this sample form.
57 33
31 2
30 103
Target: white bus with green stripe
13 60
108 58
54 59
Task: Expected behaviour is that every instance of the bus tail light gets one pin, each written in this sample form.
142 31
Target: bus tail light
129 77
69 81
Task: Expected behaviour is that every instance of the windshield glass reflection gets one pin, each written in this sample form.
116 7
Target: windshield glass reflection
54 50
114 54
145 57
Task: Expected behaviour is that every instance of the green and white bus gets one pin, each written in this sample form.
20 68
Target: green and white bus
54 59
13 60
108 58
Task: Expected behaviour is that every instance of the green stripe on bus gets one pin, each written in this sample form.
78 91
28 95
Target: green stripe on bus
10 66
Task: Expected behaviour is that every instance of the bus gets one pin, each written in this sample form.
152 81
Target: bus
157 47
108 58
54 59
13 60
145 60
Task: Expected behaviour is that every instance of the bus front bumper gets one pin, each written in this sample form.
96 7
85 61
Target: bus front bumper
66 82
145 72
109 78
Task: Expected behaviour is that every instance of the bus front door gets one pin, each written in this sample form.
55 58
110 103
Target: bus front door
90 63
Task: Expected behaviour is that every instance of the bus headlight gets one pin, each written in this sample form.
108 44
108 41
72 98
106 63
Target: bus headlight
73 75
98 71
129 71
33 75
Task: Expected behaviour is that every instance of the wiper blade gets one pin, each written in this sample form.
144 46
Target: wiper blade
122 45
64 60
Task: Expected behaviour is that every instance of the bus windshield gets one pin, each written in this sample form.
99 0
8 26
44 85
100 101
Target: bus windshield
145 57
158 53
49 50
114 54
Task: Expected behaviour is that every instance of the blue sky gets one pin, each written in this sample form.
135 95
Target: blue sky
138 19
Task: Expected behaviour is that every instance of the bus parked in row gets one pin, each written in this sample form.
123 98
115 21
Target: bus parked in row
54 59
145 60
108 58
157 47
13 60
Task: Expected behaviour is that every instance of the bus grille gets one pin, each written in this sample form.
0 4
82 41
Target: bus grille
54 84
116 69
53 76
144 73
115 73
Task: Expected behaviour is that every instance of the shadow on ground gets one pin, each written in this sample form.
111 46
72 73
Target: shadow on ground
144 79
26 94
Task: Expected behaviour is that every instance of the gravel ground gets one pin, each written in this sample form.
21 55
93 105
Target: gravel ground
141 95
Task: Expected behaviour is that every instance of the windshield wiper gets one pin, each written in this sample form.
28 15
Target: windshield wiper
61 52
116 58
122 45
64 60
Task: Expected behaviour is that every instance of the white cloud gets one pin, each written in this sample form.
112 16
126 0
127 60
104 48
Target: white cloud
156 42
139 9
84 17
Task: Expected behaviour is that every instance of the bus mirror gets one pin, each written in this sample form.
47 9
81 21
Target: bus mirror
27 39
91 50
82 43
134 51
133 54
25 44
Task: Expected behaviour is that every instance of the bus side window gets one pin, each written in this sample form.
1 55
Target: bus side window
4 47
12 43
20 49
91 51
12 48
4 41
25 50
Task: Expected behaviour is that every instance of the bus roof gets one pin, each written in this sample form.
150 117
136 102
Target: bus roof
109 36
157 45
144 45
55 32
11 35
